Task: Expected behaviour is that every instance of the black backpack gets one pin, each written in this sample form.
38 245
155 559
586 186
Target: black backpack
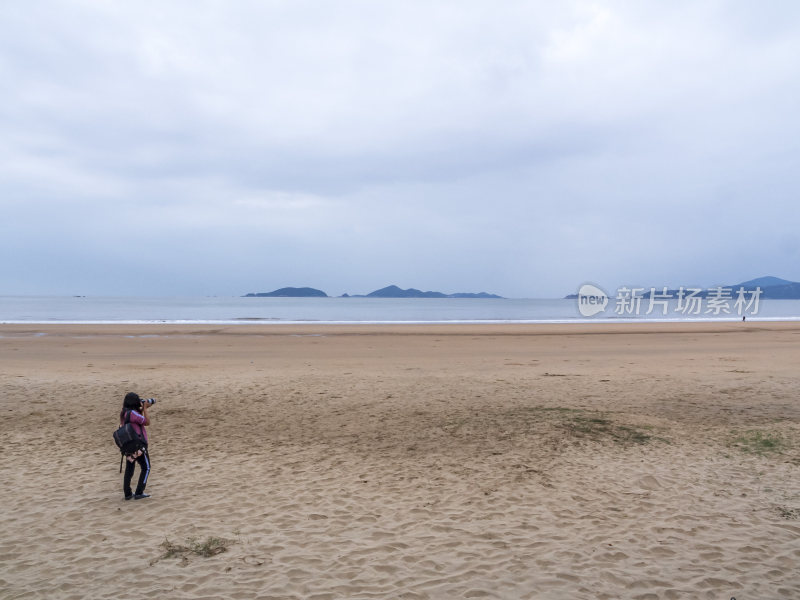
128 440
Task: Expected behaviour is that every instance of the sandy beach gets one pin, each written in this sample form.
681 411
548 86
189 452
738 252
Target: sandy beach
642 461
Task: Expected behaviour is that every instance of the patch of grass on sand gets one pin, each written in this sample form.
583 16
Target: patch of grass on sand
599 429
759 442
588 425
211 546
548 425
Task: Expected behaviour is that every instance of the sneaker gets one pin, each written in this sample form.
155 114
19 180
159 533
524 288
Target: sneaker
128 497
140 496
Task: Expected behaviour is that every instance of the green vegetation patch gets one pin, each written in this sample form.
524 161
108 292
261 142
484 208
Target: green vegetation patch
599 428
211 546
760 443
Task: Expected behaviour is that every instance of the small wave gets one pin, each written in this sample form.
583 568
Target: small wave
256 319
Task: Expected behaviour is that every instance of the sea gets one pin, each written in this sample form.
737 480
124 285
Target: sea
242 310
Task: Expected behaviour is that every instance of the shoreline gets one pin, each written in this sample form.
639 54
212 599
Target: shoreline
298 311
404 328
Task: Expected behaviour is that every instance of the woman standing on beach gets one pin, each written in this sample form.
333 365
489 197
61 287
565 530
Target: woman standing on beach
134 411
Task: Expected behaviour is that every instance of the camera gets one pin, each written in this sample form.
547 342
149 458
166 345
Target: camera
149 401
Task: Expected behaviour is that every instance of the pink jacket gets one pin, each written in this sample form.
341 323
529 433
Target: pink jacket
137 420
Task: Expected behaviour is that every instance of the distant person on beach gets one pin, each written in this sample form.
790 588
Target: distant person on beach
134 411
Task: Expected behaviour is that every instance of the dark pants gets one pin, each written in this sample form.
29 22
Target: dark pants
144 471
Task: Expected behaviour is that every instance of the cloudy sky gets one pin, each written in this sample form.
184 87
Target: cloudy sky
522 148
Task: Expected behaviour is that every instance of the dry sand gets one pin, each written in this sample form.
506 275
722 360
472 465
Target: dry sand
564 462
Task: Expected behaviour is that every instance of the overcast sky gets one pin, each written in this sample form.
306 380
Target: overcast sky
520 148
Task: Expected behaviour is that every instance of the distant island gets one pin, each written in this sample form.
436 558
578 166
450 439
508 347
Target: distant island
391 291
771 287
290 292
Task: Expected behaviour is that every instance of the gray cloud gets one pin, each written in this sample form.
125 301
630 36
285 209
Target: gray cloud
210 148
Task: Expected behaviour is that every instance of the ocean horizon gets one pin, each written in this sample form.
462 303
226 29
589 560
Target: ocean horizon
242 310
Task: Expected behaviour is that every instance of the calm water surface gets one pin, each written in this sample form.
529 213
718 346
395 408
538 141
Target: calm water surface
51 309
